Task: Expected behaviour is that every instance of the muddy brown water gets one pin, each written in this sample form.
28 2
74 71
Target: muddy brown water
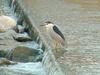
79 20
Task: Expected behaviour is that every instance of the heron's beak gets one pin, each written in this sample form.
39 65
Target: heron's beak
42 25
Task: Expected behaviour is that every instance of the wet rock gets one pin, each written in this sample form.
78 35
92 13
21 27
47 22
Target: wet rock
22 37
4 61
7 43
3 53
6 23
20 21
26 53
20 29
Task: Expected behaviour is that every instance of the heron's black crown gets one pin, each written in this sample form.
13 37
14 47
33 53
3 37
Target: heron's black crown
48 22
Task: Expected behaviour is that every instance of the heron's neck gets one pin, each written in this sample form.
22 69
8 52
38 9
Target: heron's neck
49 27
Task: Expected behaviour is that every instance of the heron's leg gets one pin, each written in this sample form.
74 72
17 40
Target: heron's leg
57 46
54 43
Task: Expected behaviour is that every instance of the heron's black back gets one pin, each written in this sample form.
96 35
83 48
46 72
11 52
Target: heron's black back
55 28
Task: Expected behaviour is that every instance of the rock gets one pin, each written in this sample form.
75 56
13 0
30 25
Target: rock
20 29
7 43
4 61
6 23
25 53
22 37
20 21
3 53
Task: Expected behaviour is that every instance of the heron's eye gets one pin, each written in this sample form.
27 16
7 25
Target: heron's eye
46 24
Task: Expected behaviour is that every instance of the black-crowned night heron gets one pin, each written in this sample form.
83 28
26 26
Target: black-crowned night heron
55 34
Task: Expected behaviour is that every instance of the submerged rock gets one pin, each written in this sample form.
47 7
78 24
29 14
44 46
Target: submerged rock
6 23
25 53
4 61
22 37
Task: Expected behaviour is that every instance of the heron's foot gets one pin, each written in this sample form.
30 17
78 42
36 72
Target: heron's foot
60 49
58 52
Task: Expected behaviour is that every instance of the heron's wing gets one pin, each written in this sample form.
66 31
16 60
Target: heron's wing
55 28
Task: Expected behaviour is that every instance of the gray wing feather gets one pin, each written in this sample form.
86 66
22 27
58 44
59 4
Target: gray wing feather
55 28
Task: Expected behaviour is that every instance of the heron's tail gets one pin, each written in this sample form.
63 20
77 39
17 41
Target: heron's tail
64 44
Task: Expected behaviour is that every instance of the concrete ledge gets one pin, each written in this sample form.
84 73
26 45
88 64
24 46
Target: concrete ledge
49 61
